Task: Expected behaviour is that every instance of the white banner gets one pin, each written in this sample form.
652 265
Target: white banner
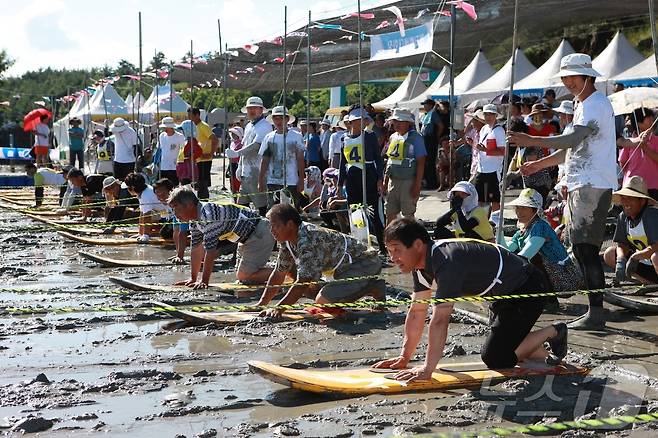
393 45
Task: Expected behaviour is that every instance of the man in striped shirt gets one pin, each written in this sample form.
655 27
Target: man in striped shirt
214 224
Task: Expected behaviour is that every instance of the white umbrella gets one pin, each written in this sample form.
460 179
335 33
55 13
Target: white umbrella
630 99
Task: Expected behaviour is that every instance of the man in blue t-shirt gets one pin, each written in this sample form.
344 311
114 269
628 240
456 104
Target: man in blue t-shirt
76 143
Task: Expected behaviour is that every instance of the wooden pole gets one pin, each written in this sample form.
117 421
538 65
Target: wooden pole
224 140
285 92
364 200
503 186
453 32
308 69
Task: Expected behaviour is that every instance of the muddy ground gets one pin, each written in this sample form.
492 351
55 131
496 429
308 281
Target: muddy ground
140 374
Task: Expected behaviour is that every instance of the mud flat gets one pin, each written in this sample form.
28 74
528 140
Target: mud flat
136 373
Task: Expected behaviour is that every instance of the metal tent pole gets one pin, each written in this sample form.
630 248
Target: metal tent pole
285 92
224 139
364 199
453 32
654 39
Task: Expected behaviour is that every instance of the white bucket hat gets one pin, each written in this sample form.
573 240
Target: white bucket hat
491 108
357 113
251 102
529 198
167 122
341 123
576 64
279 111
566 107
118 125
402 115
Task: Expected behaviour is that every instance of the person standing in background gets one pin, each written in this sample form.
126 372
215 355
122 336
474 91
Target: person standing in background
41 143
76 143
209 144
431 128
125 145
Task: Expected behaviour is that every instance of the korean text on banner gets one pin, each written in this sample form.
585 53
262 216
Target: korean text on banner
393 45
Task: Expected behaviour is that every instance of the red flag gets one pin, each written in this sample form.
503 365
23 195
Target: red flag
365 16
278 41
468 8
444 13
315 49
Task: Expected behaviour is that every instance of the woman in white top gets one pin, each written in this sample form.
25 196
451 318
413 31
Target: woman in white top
41 133
150 207
125 141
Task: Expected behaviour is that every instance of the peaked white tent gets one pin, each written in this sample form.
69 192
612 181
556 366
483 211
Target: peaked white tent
544 76
129 99
104 105
442 79
500 81
411 87
619 56
476 72
161 103
137 102
640 74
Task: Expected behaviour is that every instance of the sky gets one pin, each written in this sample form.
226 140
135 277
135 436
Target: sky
89 33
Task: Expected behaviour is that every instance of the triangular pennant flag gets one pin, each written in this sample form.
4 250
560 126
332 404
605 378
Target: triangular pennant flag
364 15
251 48
421 13
468 8
398 18
383 24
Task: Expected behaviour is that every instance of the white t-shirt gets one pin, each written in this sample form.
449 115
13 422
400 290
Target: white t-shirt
336 143
41 140
593 161
123 146
273 145
148 202
170 146
489 163
250 161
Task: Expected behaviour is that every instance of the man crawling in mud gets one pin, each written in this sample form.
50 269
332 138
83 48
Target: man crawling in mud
465 267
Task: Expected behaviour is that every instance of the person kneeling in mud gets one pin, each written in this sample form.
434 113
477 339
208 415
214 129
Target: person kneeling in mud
214 225
466 267
636 236
307 252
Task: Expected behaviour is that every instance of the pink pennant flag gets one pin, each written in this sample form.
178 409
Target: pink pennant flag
133 77
444 13
251 48
468 8
278 41
279 60
315 49
383 24
398 17
162 74
259 68
186 65
365 16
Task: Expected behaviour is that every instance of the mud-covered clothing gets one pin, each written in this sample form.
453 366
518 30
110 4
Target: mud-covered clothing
318 251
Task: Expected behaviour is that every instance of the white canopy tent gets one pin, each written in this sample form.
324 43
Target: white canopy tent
642 74
544 77
619 56
475 73
442 79
129 99
161 103
500 81
411 87
137 102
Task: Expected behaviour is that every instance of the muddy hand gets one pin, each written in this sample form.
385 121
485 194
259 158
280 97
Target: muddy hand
395 363
413 374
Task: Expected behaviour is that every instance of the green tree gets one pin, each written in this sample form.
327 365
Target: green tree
158 61
5 62
125 68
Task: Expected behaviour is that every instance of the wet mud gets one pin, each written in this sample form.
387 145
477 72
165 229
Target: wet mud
137 373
